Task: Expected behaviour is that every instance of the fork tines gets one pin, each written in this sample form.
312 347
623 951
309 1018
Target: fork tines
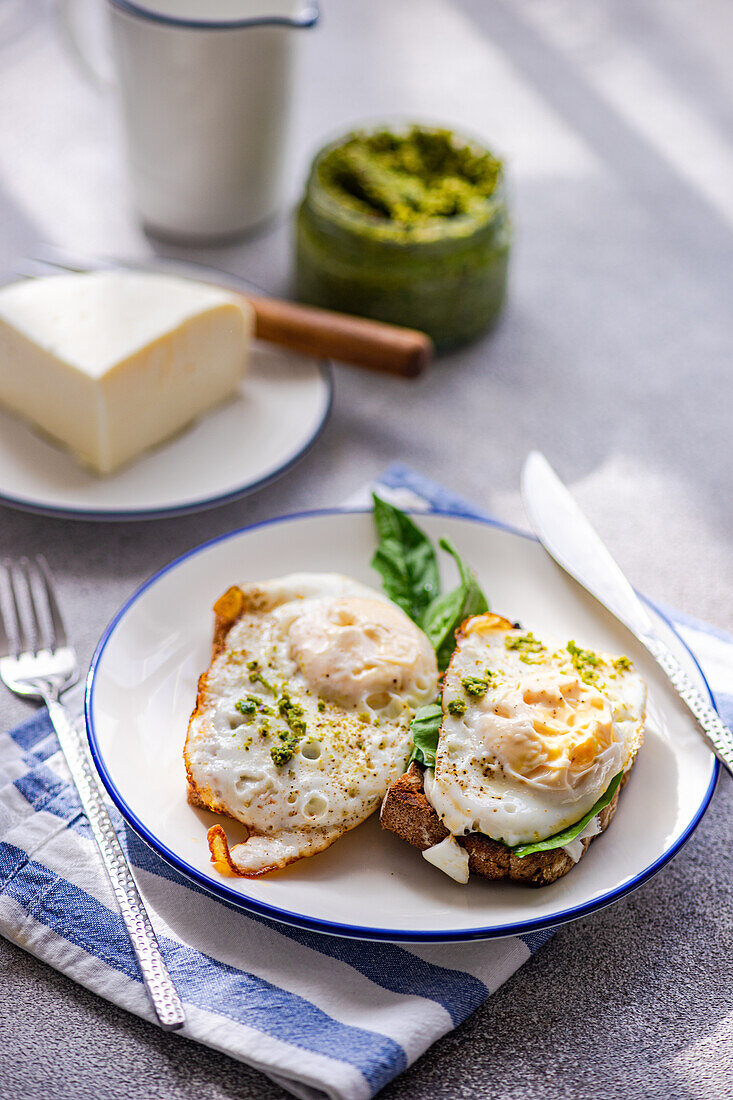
30 619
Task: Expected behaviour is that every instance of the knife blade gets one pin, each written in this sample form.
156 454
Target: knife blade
568 537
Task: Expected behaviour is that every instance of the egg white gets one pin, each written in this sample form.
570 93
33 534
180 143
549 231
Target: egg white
354 666
534 752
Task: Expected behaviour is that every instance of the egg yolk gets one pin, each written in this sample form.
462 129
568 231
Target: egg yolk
550 731
356 650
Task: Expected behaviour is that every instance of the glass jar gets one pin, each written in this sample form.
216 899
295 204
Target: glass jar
444 275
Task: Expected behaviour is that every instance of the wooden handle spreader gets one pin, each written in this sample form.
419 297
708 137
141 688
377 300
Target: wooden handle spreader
356 340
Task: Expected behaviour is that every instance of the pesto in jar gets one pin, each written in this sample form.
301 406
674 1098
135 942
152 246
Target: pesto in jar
406 226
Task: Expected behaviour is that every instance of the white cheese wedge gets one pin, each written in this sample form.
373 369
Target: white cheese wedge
448 856
111 363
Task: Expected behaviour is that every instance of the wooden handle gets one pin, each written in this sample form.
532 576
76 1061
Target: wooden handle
320 332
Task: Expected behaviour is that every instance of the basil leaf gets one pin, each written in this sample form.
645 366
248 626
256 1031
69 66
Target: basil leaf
405 560
425 729
446 613
559 840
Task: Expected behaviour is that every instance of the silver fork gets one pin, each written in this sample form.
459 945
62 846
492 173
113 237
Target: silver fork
37 662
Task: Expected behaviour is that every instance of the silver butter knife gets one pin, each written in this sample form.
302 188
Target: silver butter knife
569 538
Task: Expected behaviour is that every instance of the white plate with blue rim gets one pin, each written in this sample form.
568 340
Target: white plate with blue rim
275 417
369 884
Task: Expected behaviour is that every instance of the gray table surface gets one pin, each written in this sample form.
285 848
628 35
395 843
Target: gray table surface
615 357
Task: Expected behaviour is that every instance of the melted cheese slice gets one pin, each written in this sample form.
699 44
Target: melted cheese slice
111 363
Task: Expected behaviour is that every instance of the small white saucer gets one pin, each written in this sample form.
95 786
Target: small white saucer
281 407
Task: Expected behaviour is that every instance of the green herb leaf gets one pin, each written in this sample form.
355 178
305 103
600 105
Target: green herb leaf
425 729
405 560
559 840
446 613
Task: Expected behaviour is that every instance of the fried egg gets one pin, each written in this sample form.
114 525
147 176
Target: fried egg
303 718
533 731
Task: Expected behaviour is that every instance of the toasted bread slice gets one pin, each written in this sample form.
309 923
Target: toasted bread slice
407 812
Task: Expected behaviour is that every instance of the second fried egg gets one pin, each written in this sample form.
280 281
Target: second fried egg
303 718
533 732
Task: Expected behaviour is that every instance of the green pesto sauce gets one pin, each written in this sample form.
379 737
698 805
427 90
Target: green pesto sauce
290 738
247 707
251 705
409 178
409 226
258 678
525 643
474 686
291 712
585 662
284 751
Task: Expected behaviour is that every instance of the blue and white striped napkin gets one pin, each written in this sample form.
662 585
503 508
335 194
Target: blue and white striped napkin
320 1015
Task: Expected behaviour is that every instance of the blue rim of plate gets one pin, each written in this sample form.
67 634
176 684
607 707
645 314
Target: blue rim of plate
350 931
326 368
308 18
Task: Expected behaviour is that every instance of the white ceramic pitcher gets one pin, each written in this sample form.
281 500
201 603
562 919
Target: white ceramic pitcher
206 89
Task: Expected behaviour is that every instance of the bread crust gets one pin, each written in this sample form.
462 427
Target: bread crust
407 812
